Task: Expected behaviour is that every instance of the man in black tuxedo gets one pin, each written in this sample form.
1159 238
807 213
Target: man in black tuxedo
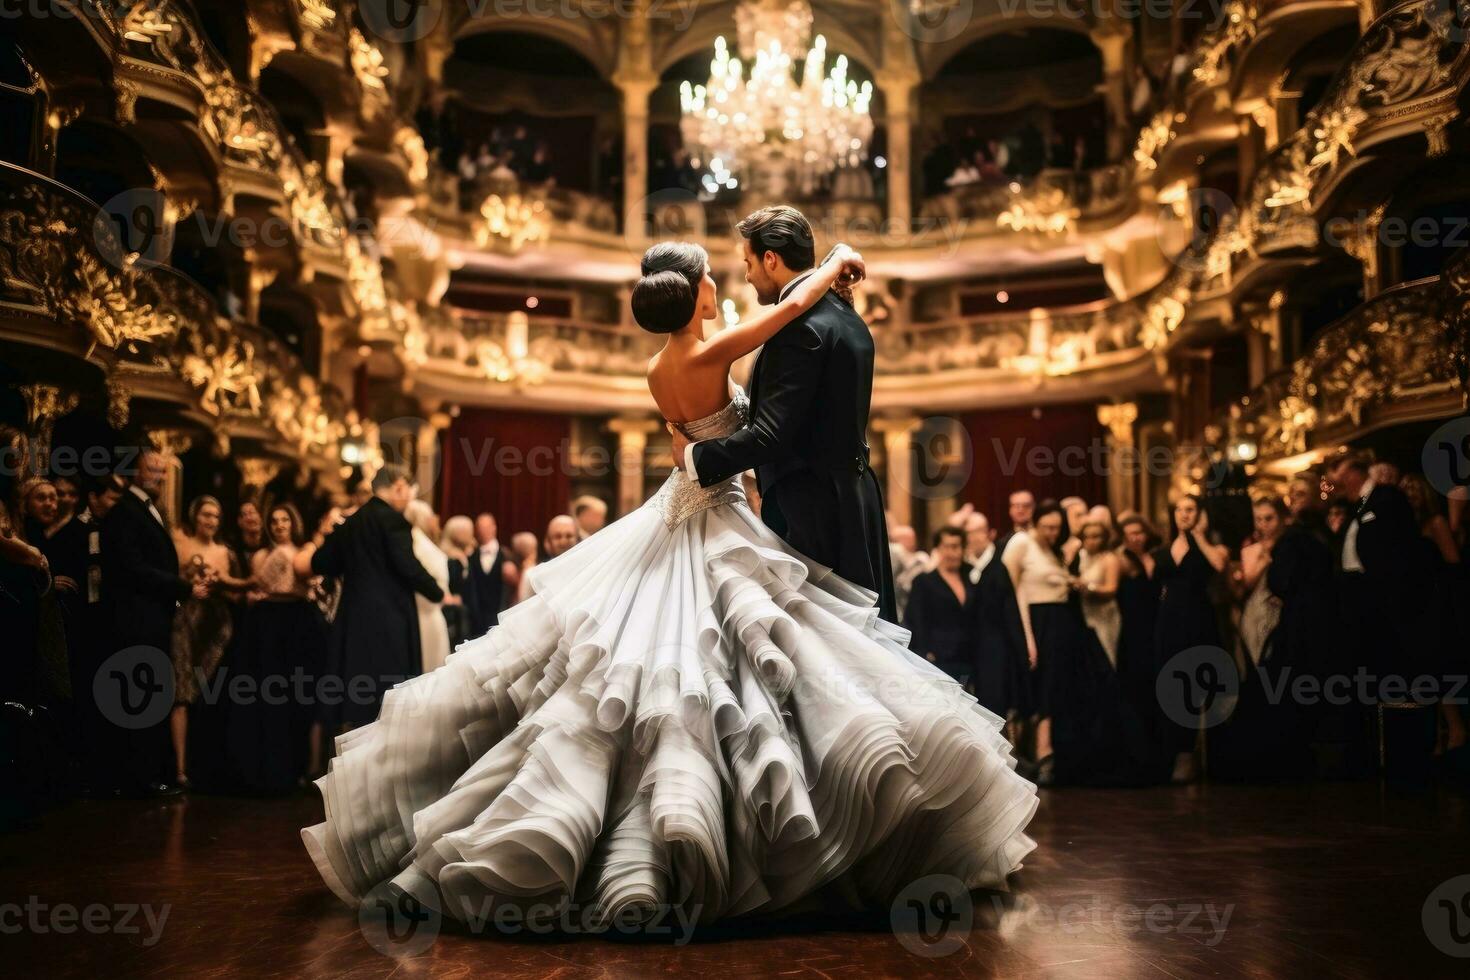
142 589
807 435
375 636
1378 587
492 579
1378 552
1020 507
1002 667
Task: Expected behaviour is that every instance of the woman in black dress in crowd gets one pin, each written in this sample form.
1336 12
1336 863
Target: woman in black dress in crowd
1185 569
272 741
1085 731
1138 600
1443 606
940 615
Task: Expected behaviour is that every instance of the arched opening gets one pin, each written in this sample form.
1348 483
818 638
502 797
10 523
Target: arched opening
528 108
299 110
224 23
292 319
1010 105
1309 73
18 103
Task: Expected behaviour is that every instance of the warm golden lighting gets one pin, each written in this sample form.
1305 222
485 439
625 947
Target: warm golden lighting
818 125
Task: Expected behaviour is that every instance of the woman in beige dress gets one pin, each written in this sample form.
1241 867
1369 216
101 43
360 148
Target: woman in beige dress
202 627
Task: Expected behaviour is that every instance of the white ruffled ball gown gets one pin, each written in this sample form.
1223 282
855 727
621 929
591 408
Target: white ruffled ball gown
685 712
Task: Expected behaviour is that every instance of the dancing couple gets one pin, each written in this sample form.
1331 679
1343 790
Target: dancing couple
697 707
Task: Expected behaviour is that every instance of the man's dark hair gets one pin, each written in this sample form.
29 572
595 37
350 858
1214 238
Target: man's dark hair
948 531
97 486
784 230
390 474
1351 459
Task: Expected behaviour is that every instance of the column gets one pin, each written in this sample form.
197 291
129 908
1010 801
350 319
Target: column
44 405
636 80
1361 242
1122 456
633 433
172 444
898 90
635 153
1112 44
897 432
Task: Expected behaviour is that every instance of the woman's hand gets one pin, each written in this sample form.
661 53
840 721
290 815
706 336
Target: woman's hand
1031 652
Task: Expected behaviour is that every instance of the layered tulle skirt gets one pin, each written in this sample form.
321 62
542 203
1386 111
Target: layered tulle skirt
689 715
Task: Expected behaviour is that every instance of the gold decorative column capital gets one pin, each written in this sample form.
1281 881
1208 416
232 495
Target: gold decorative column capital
632 432
1119 419
255 473
171 443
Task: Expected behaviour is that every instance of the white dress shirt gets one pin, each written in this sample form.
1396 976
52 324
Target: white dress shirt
689 469
142 495
981 562
488 554
1350 560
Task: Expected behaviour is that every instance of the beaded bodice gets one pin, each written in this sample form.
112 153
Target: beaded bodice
680 497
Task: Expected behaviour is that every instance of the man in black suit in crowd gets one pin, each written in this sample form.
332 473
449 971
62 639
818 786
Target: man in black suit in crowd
142 589
492 579
806 439
1379 581
1020 507
1377 561
375 636
1002 667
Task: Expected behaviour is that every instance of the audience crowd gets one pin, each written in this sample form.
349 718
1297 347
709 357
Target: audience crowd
226 651
1324 643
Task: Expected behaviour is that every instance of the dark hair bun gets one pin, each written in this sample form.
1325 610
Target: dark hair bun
664 298
663 301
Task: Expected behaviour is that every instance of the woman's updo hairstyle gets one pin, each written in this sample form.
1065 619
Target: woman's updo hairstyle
664 299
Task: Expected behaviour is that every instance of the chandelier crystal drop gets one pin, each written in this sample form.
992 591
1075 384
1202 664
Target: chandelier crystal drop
754 105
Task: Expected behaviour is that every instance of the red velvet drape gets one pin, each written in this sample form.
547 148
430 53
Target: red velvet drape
513 464
1059 454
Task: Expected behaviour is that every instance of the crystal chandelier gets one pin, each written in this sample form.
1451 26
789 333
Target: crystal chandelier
754 107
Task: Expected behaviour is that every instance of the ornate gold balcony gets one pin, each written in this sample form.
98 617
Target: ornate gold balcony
67 286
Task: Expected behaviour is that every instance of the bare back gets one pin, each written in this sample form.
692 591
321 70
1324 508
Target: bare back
684 390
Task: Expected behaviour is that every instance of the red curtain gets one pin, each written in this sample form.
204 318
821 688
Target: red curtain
1052 450
513 464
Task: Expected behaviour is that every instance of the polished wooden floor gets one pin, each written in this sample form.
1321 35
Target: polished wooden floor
1313 881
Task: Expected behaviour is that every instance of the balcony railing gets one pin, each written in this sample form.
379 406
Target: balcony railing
60 260
1391 357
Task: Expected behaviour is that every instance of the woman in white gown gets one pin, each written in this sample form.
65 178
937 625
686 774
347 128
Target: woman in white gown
683 712
433 627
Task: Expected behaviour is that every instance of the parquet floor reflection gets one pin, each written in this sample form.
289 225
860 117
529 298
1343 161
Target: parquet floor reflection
1206 881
